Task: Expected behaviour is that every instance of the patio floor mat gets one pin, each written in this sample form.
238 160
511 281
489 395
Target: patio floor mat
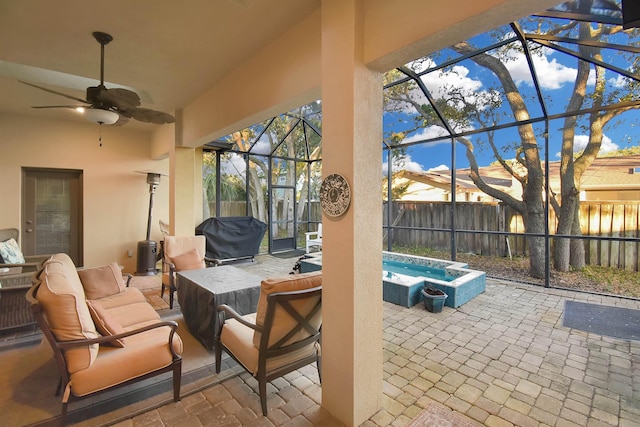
294 253
617 322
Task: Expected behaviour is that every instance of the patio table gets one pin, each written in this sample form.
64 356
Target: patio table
201 291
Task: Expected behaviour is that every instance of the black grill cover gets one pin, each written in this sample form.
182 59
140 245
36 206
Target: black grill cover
232 236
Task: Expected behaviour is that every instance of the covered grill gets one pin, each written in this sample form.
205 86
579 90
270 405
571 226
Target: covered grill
232 238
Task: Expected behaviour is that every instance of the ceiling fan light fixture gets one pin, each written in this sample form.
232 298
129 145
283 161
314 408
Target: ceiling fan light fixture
104 117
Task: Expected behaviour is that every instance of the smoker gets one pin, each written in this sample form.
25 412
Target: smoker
148 249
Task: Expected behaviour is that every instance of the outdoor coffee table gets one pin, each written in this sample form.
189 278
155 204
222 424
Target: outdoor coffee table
201 291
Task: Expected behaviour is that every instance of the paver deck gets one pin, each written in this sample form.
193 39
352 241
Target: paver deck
502 359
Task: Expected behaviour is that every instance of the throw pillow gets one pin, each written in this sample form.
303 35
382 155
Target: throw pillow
105 323
100 282
189 260
10 252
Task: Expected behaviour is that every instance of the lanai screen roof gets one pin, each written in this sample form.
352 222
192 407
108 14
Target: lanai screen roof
451 93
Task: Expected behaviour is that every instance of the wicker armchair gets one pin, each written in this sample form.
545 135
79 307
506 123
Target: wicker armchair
18 275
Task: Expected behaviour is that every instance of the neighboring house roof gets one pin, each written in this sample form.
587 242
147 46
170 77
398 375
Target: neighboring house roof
619 173
611 172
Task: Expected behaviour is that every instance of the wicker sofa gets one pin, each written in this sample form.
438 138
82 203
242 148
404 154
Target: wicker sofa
103 333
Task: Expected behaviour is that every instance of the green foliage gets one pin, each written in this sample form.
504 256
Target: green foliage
209 176
232 188
629 151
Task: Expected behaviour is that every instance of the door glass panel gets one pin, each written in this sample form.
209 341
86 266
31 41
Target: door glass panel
257 176
52 211
282 218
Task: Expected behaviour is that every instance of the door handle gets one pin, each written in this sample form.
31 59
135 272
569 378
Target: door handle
29 230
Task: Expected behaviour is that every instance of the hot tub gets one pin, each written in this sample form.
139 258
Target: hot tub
404 276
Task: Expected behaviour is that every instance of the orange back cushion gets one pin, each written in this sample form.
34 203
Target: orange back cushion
292 282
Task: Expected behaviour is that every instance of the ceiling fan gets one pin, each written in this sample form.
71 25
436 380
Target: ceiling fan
109 106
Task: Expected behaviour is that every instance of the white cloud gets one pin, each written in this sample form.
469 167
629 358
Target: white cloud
441 84
551 74
439 168
262 146
404 163
619 81
421 64
580 143
457 77
235 165
427 133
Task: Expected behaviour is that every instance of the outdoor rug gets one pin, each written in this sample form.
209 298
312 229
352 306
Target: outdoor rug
616 322
294 253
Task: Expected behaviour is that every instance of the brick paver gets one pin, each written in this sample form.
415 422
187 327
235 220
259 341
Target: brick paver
502 359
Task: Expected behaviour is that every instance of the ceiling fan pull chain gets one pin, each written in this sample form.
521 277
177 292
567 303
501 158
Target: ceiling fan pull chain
100 138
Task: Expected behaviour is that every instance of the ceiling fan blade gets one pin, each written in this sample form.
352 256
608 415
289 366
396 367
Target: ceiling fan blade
151 116
53 91
73 107
121 98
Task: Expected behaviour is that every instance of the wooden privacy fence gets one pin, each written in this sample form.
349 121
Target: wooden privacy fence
613 220
238 208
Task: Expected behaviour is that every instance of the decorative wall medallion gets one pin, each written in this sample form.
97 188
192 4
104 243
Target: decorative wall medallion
335 195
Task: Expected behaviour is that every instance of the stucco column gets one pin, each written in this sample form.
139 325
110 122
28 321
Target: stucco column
185 192
352 243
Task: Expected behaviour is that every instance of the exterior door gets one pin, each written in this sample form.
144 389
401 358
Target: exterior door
282 219
52 212
283 205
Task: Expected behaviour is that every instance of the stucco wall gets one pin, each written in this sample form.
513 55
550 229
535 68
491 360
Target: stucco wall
116 199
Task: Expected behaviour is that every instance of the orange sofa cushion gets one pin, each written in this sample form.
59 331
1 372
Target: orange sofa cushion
100 282
62 298
105 322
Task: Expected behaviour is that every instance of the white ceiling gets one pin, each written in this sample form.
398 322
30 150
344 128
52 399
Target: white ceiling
166 51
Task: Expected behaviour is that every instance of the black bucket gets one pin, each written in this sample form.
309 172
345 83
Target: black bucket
433 299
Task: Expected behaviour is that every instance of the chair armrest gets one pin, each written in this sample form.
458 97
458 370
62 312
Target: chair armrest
172 273
127 277
227 311
38 259
212 262
28 266
308 235
64 345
